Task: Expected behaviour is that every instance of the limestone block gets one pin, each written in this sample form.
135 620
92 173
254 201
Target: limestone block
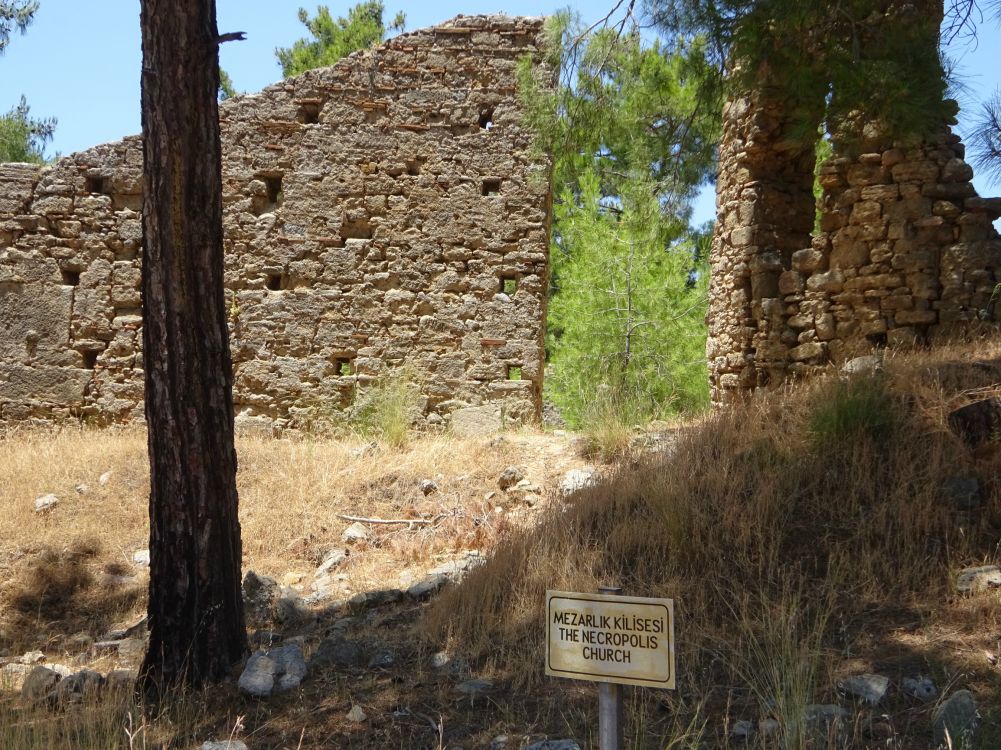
807 351
956 170
831 282
808 260
36 320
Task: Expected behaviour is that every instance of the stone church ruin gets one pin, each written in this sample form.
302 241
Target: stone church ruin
904 252
386 212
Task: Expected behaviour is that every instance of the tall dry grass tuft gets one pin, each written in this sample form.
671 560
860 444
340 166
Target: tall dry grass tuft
765 521
387 408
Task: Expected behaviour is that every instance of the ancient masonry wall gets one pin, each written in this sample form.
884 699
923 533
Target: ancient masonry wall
905 253
387 211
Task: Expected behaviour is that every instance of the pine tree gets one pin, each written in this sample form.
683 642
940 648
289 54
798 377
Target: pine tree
22 138
333 39
631 144
15 14
875 58
197 629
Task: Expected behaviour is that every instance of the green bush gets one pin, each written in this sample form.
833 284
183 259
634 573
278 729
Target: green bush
859 407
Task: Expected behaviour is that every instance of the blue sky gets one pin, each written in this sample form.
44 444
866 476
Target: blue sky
79 61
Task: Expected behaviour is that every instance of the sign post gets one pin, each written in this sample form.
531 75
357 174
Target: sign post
613 640
609 702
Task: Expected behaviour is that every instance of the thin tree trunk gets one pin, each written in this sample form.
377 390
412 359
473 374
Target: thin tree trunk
197 629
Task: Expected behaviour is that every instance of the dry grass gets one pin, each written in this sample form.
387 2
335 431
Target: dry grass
799 528
58 569
802 536
55 565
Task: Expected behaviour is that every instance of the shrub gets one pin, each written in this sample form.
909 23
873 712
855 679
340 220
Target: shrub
386 409
852 409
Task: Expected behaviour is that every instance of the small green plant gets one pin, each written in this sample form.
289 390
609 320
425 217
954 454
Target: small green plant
386 408
608 423
859 407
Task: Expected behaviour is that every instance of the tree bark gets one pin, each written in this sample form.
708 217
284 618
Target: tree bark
197 629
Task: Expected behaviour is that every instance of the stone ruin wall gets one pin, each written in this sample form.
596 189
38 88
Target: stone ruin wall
905 253
387 211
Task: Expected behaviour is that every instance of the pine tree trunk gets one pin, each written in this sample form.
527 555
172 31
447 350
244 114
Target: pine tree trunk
197 629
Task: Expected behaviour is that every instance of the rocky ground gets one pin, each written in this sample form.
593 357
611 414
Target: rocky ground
347 545
332 602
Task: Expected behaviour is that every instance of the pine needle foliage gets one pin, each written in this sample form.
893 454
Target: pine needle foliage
631 142
22 138
331 39
858 57
15 15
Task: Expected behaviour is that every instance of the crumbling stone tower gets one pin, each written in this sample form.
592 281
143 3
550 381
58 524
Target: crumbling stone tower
904 251
388 211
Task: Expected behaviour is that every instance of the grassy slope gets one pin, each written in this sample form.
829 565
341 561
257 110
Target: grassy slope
803 537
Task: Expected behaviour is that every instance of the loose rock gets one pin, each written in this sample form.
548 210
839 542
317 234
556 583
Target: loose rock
39 683
577 479
510 477
356 714
870 688
258 677
474 687
356 532
977 423
553 745
45 503
277 670
337 652
290 610
921 688
74 689
223 745
972 580
331 560
443 661
427 586
428 486
260 593
32 657
382 659
956 717
742 729
868 363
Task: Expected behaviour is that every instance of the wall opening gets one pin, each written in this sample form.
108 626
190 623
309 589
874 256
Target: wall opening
877 339
508 285
514 372
309 112
273 196
491 186
356 229
70 278
273 282
89 359
344 367
414 166
98 185
486 120
274 186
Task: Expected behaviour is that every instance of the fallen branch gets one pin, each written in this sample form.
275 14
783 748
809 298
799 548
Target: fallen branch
411 521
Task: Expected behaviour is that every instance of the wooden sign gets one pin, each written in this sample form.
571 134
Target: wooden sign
607 638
